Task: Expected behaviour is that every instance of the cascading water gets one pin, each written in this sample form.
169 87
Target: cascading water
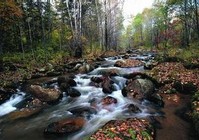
9 106
32 128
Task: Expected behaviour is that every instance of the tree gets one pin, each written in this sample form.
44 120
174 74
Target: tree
10 13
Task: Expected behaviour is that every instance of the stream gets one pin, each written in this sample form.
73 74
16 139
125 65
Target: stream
32 128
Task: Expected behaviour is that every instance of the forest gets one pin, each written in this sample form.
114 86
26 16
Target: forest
42 28
71 69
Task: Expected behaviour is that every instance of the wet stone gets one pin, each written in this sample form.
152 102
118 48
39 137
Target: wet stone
83 111
66 82
109 100
23 113
132 108
97 79
66 126
73 92
138 89
45 94
107 85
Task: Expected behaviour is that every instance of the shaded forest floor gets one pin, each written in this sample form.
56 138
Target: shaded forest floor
177 78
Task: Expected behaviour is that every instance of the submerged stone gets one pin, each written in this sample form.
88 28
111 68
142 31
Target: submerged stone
23 113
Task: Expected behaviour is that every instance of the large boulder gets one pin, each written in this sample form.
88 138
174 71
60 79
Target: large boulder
138 89
142 89
128 129
65 126
127 63
45 94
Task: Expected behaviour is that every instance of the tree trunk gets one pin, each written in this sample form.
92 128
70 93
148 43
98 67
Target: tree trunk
106 27
196 14
21 41
30 37
1 41
185 24
99 24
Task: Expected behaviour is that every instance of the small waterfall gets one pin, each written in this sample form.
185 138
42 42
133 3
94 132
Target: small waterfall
9 106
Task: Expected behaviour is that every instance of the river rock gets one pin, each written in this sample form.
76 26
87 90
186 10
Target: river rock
156 99
127 63
45 94
150 65
83 111
126 56
73 92
128 129
86 68
35 103
23 113
65 126
106 72
132 108
107 85
97 79
100 59
65 82
68 80
108 101
138 89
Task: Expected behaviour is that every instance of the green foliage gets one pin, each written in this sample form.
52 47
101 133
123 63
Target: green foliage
146 135
10 57
133 134
187 54
109 133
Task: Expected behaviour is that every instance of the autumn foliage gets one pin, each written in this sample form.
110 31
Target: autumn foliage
9 12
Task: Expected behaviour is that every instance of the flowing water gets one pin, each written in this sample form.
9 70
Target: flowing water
32 128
